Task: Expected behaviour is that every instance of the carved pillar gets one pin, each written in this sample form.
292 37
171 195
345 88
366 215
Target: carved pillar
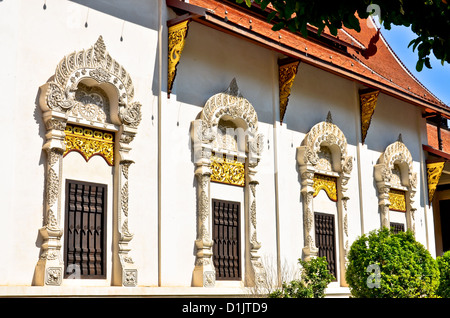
258 275
177 37
347 168
307 189
204 274
411 210
125 271
50 267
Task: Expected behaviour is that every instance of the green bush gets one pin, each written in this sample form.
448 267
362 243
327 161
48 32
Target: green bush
386 265
315 277
444 270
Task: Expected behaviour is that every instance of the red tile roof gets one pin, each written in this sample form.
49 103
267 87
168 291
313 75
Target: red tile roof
383 70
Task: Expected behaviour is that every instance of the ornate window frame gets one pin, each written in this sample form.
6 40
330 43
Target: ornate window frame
308 159
58 103
396 155
230 105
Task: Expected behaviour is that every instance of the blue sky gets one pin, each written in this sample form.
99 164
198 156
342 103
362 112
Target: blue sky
436 79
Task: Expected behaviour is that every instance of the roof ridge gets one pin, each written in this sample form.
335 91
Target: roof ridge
388 46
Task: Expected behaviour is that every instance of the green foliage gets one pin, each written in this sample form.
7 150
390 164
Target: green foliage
444 270
315 277
399 267
427 18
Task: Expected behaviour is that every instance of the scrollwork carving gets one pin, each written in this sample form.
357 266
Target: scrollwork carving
131 115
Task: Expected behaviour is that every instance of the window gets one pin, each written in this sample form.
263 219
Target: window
226 249
397 227
85 228
325 239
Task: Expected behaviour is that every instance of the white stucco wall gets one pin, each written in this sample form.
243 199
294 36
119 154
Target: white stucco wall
34 41
163 246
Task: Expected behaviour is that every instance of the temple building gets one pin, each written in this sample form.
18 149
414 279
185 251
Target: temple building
184 148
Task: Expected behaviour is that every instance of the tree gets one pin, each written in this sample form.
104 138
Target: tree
428 19
315 278
444 270
382 264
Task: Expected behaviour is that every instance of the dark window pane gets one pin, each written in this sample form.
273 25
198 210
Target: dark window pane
226 239
85 234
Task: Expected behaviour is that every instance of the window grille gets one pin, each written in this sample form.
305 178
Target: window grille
226 237
85 234
325 239
397 227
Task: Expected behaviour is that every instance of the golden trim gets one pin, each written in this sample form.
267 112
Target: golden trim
326 183
397 199
177 37
434 172
90 142
286 76
368 102
224 170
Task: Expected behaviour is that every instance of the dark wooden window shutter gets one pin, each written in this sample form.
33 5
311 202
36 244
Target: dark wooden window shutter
85 230
226 235
397 227
325 239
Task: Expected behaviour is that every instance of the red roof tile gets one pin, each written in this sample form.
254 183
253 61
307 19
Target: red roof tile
383 69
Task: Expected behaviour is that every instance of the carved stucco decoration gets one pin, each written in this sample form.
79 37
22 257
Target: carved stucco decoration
434 172
396 157
90 142
70 97
326 183
177 37
286 76
324 135
227 170
232 106
368 102
397 199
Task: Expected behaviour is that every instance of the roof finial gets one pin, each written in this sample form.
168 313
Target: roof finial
329 118
99 50
233 89
400 138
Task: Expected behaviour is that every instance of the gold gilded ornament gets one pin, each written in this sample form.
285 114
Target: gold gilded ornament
229 171
90 142
177 37
286 73
326 183
434 172
397 198
368 102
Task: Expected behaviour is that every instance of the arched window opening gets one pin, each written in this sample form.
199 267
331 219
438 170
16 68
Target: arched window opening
396 184
227 149
87 108
325 167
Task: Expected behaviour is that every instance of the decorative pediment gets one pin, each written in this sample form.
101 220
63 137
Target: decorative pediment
396 157
231 104
329 135
67 91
